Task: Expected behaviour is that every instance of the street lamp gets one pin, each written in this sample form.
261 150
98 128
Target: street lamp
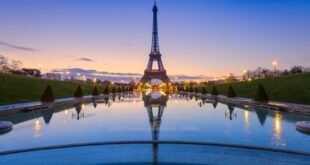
274 64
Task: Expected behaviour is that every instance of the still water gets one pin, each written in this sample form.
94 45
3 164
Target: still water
155 116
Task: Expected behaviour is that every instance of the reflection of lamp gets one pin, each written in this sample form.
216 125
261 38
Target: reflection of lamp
246 119
37 128
277 140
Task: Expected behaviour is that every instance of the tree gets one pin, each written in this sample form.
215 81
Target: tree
78 92
214 91
119 90
95 91
113 90
106 90
16 64
296 69
231 92
48 95
204 90
3 63
231 78
261 94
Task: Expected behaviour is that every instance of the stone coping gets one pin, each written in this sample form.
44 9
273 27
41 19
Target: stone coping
273 105
38 105
176 142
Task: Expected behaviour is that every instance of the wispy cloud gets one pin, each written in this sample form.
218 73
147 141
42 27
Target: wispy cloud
16 47
118 77
85 59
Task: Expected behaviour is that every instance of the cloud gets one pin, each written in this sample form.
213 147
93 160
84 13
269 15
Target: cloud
16 47
118 77
85 59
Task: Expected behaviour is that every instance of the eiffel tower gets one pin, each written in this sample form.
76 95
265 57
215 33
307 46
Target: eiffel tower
151 73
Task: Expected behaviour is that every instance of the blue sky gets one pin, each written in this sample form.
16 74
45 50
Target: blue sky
197 37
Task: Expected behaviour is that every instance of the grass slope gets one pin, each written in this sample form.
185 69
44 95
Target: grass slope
291 88
16 89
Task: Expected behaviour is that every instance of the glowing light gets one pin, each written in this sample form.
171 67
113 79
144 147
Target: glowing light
274 63
277 140
95 80
67 72
66 112
78 74
245 71
37 122
249 79
40 65
37 128
246 118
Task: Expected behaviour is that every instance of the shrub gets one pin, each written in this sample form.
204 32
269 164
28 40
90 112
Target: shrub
48 94
119 90
197 89
123 89
106 90
261 94
113 90
204 90
95 91
78 92
231 92
191 89
214 92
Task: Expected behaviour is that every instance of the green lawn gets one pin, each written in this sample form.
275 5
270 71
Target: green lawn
291 88
16 89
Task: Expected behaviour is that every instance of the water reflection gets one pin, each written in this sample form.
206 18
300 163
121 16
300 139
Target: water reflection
47 115
155 103
230 113
37 129
146 110
262 115
277 140
78 109
246 120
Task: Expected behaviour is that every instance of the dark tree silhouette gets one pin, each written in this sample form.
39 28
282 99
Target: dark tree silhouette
48 94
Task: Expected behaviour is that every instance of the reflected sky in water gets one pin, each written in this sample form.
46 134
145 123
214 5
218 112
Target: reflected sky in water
154 115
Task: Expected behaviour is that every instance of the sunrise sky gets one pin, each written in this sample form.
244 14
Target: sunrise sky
197 37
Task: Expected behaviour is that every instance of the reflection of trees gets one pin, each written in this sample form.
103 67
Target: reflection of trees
78 109
261 115
215 104
47 115
230 113
155 102
22 117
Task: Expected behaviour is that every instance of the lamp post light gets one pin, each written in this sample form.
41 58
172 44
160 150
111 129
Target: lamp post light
274 64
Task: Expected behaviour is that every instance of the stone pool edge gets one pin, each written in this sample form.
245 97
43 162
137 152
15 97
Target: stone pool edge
11 109
246 102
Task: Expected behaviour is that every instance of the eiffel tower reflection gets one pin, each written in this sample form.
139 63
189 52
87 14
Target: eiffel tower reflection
155 103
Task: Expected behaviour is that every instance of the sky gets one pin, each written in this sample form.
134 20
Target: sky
196 37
